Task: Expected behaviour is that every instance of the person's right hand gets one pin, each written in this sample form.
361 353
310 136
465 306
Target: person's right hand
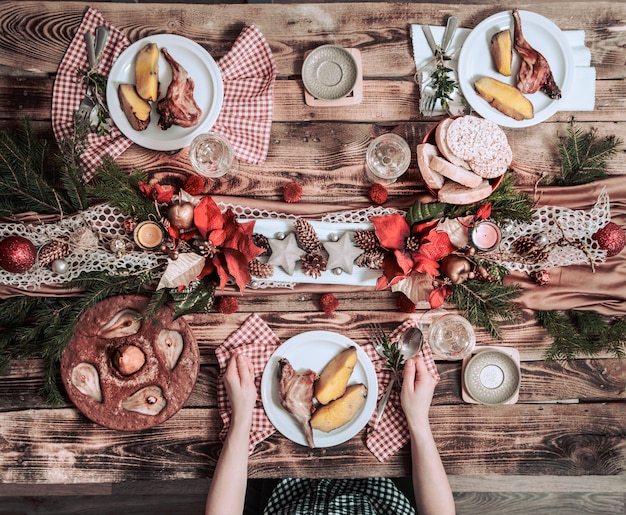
240 388
418 387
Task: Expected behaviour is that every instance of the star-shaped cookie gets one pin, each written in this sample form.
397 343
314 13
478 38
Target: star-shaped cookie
342 253
285 253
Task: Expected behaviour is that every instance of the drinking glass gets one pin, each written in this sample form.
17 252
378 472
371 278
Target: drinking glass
387 158
451 337
212 155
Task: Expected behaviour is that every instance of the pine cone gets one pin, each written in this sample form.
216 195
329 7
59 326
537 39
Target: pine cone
372 259
366 240
54 250
261 241
261 270
524 245
313 265
412 243
307 237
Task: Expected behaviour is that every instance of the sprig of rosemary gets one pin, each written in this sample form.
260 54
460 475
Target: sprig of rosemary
442 84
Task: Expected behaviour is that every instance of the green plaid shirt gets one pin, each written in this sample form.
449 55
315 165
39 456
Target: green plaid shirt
372 496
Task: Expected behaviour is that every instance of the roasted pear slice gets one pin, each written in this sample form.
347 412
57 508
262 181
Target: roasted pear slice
501 47
147 72
334 378
136 109
505 98
340 411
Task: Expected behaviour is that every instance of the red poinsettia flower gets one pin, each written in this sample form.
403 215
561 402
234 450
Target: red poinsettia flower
392 232
157 192
233 239
483 212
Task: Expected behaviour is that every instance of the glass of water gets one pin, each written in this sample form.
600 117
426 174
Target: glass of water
451 337
387 158
212 156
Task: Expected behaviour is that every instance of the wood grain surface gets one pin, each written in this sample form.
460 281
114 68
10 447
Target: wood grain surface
570 421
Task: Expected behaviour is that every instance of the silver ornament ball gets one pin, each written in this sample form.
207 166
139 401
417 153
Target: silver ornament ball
60 266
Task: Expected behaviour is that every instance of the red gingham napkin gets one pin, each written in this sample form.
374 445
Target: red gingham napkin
255 339
392 432
248 71
68 91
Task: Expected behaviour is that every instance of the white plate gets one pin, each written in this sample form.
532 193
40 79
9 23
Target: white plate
208 91
313 350
544 36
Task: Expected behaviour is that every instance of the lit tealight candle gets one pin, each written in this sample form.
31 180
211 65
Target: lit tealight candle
486 236
148 235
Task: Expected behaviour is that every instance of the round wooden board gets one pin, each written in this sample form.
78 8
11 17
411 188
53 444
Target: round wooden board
87 347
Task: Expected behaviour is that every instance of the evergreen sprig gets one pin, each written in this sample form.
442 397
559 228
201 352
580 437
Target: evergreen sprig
583 333
507 203
486 303
584 157
121 190
28 182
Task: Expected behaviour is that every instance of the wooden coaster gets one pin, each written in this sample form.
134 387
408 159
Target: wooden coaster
162 384
513 353
353 98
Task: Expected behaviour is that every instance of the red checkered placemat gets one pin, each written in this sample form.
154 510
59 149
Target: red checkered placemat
69 90
258 342
248 72
391 433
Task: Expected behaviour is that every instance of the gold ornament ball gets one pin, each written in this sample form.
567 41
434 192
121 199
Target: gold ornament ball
180 215
456 268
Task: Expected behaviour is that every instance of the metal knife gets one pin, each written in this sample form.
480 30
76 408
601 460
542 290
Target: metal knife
430 39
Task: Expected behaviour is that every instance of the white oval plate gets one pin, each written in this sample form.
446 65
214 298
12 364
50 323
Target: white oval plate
208 91
329 72
313 350
544 36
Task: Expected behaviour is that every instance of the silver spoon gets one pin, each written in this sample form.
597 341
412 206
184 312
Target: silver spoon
451 25
409 344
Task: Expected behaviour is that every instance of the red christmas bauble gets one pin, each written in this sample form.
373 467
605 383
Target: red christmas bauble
611 238
17 254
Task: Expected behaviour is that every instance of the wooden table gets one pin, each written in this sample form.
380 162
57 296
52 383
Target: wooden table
570 419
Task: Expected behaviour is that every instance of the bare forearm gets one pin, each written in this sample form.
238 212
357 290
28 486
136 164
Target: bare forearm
228 486
433 494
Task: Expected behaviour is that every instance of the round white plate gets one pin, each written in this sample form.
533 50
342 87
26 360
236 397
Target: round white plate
492 377
329 72
208 91
313 350
475 62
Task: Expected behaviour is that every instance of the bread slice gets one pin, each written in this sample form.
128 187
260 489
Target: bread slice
454 172
454 193
441 135
425 152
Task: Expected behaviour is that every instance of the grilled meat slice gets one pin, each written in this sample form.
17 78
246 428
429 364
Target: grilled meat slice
534 73
296 395
178 106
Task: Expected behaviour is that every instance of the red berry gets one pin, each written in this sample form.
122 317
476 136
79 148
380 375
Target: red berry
378 193
328 303
194 184
292 192
228 305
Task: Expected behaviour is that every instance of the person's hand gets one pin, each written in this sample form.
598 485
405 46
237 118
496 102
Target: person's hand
418 387
240 388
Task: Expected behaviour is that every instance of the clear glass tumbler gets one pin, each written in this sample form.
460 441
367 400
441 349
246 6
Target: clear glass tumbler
212 155
451 337
387 158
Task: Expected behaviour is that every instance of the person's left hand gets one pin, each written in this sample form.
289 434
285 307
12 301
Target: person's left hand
240 387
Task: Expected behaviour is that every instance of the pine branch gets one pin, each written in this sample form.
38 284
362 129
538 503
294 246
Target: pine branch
486 303
584 158
122 190
585 333
506 204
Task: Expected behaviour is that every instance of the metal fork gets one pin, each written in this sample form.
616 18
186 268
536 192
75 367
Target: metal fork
428 102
